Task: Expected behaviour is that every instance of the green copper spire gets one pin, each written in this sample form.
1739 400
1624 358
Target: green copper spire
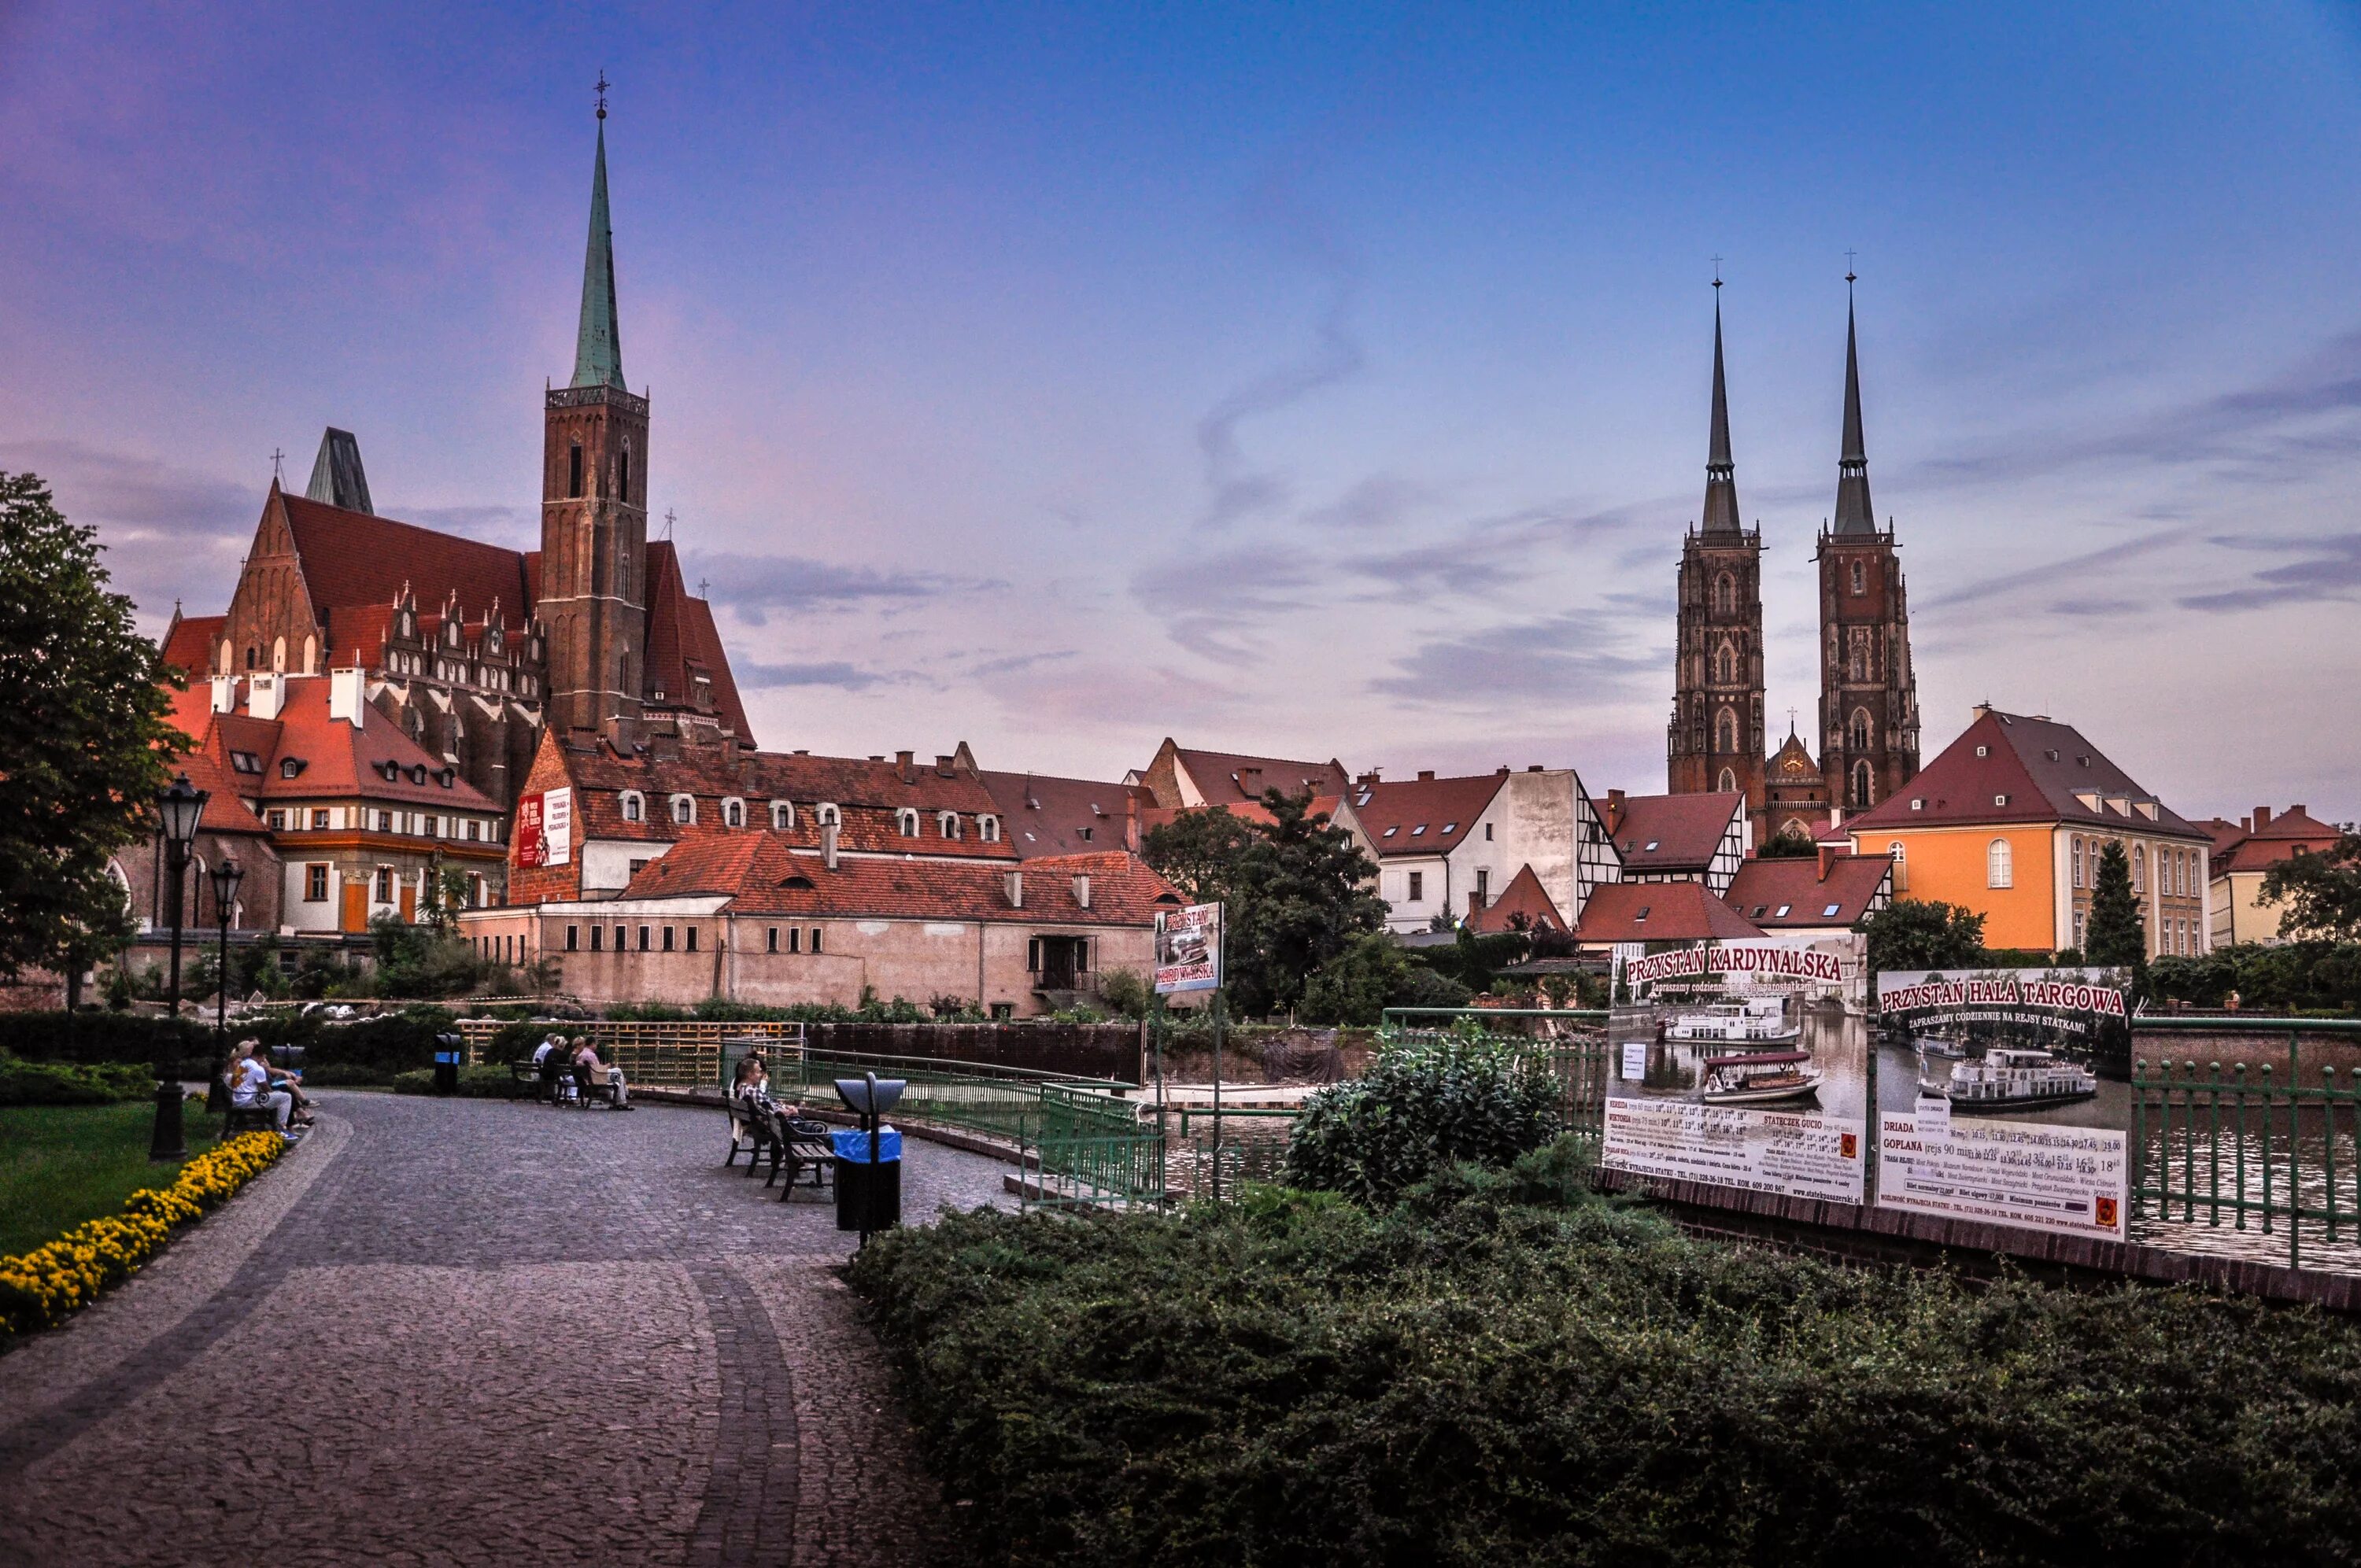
599 345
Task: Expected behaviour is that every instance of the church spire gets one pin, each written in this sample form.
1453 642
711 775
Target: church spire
598 345
1855 513
1720 473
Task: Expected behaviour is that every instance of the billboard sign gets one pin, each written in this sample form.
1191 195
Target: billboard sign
544 827
1189 949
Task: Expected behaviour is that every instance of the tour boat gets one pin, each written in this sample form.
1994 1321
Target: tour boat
1759 1078
1758 1021
1936 1045
2017 1080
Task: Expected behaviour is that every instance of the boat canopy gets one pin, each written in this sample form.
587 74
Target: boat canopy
1759 1059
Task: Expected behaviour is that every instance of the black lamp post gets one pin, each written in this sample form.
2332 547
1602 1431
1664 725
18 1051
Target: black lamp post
225 879
179 808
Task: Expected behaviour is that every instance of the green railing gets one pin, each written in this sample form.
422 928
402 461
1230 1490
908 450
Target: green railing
2243 1148
976 1097
1576 1055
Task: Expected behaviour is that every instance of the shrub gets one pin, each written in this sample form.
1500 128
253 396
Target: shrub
73 1084
1125 993
474 1083
1469 1379
383 1046
1417 1108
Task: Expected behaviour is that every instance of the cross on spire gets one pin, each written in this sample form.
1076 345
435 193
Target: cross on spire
668 521
277 457
603 85
1717 272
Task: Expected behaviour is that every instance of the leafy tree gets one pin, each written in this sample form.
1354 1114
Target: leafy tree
1373 973
1786 846
1917 933
2322 891
82 754
2116 935
447 894
1199 851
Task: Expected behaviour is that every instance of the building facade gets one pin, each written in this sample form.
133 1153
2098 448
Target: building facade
1447 847
2243 853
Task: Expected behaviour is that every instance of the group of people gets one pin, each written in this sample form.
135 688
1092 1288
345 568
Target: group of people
253 1080
752 1088
556 1054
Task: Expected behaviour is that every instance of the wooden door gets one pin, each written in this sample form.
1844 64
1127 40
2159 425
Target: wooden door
356 905
409 901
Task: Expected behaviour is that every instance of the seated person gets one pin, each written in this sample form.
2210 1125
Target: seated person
290 1080
551 1057
250 1084
587 1059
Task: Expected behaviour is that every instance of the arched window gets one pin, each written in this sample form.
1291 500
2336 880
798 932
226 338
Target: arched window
1725 730
623 475
1857 733
827 814
1901 865
949 822
906 821
2000 864
2140 868
783 815
2075 853
1864 786
279 654
733 812
636 807
1860 578
988 828
574 472
1728 782
684 810
228 661
311 656
253 657
1725 594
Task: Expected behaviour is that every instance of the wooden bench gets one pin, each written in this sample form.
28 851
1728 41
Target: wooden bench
751 1131
803 1146
588 1091
257 1117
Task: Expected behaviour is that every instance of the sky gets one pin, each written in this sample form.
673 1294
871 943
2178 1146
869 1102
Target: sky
1310 380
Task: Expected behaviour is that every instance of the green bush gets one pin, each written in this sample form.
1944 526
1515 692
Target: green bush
1470 1379
1373 973
1417 1108
73 1084
386 1045
474 1083
102 1036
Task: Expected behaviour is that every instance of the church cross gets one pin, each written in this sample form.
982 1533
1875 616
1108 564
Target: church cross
276 457
1848 272
1717 272
603 85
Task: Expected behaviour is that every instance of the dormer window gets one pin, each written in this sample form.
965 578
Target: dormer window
733 812
783 815
418 773
950 823
906 821
635 806
245 762
291 766
988 830
827 814
684 810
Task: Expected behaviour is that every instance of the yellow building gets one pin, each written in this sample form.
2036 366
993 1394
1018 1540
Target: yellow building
2244 854
2010 821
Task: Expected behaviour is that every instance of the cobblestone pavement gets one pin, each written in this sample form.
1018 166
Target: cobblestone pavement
477 1332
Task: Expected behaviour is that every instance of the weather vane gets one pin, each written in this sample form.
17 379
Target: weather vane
603 85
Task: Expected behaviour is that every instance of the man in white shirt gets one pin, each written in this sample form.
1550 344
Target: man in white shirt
541 1052
250 1084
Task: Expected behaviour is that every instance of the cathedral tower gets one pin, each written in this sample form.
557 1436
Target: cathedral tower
594 518
1715 738
1868 693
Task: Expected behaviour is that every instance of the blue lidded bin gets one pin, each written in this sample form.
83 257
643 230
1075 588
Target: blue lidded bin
853 1144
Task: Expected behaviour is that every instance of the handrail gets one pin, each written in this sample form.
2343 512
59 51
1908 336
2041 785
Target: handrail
985 1069
2245 1022
1597 1014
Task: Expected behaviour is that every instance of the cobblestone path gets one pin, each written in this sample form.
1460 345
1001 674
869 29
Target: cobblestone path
476 1332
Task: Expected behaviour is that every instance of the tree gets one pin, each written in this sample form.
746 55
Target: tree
2116 935
1370 975
82 754
1198 852
1787 847
2322 891
1916 934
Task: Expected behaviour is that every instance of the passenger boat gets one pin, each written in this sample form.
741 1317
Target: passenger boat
1759 1078
1936 1045
2008 1079
1758 1021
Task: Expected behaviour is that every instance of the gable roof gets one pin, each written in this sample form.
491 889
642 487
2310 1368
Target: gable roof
1658 912
1228 778
1670 833
2266 837
1046 815
1524 895
763 873
1809 897
1425 816
189 644
353 559
2015 768
337 759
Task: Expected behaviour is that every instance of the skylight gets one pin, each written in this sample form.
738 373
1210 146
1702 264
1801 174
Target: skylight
1389 832
1641 917
1417 830
1781 913
1830 910
1451 827
1652 843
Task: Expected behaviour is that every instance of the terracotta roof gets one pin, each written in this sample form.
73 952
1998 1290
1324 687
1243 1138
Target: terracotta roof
683 642
764 873
354 558
1762 889
1152 817
2030 770
189 645
1524 895
1425 816
1229 777
1658 912
337 759
1050 816
226 809
1670 833
2266 837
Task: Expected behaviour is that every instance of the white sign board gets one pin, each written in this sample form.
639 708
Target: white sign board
1635 1061
1189 949
1801 1153
2041 1177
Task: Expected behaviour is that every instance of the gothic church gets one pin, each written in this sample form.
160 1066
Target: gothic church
1867 720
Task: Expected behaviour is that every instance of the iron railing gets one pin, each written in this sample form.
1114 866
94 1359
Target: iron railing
975 1097
1574 1051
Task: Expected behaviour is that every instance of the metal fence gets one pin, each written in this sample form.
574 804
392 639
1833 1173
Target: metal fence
682 1054
1084 1148
1570 1043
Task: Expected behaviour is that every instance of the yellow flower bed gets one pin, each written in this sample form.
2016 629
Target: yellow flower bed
49 1283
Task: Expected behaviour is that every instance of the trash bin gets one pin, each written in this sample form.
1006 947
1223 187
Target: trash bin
868 1194
450 1050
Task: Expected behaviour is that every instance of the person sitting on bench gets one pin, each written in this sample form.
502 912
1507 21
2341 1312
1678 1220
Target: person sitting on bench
597 1072
249 1085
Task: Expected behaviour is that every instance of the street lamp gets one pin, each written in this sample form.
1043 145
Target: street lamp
180 810
225 878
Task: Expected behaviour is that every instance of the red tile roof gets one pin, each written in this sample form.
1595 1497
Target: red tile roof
2244 845
190 645
226 810
2030 770
352 558
683 642
1659 912
1230 777
763 873
1152 817
1050 816
338 761
1524 895
1670 833
1425 816
1762 889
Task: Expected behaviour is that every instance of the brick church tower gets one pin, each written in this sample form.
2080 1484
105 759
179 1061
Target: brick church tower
1868 693
1715 738
594 509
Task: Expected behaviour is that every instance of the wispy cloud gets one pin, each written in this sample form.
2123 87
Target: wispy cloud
1210 600
1239 489
2333 571
835 672
2073 572
1572 659
757 585
170 532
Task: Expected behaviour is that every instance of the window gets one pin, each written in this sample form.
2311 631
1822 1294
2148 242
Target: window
906 821
1901 866
1389 832
1084 833
2140 868
1483 882
1781 913
573 938
1857 733
1488 832
1417 886
950 823
2000 866
596 932
385 884
1864 786
319 820
1725 729
796 939
574 472
245 763
2079 915
692 938
827 814
315 883
733 812
783 815
635 806
2000 800
684 810
2075 855
988 830
1829 912
667 938
288 767
279 821
1641 917
623 475
643 939
433 829
1725 594
1419 831
1451 827
1728 782
635 867
1860 578
815 938
771 940
475 831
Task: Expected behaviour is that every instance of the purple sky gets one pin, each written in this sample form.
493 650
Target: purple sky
1319 381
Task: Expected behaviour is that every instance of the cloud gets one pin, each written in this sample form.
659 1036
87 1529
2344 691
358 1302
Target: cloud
1207 599
1487 552
2069 573
1569 660
1378 502
2333 574
1239 490
170 532
1014 663
836 672
755 586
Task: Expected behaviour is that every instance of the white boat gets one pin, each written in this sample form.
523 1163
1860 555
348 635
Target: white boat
1936 1045
1758 1021
2009 1079
1759 1078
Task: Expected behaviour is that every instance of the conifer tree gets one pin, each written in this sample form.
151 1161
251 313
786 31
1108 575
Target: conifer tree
2116 938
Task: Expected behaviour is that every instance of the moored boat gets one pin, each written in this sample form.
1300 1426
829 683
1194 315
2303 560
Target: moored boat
1758 1021
1759 1078
2011 1079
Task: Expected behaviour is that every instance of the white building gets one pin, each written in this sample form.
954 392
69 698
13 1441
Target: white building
1448 847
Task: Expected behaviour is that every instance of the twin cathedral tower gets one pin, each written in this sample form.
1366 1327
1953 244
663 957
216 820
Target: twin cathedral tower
1867 722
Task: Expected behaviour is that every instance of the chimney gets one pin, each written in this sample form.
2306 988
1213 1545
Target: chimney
1016 890
1426 775
828 844
1532 767
1615 798
908 762
2295 810
266 695
1828 853
1501 772
1131 822
225 694
348 695
943 768
1368 778
1083 891
1250 780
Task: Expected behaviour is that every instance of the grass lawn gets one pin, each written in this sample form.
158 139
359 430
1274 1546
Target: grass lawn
60 1164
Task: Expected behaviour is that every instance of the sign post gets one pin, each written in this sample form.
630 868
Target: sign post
1191 944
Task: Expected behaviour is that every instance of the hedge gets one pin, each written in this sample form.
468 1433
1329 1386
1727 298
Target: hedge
73 1084
474 1083
1474 1378
366 1050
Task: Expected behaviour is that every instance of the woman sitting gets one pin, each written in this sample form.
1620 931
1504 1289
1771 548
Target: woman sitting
249 1085
591 1069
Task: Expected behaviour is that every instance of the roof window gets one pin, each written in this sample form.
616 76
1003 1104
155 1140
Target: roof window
1641 918
245 762
1781 913
2000 800
1984 750
291 766
1759 909
1830 911
1918 802
2051 753
1451 827
1389 832
1417 830
1649 848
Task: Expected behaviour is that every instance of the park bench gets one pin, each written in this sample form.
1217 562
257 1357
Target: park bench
588 1092
257 1117
751 1131
802 1146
